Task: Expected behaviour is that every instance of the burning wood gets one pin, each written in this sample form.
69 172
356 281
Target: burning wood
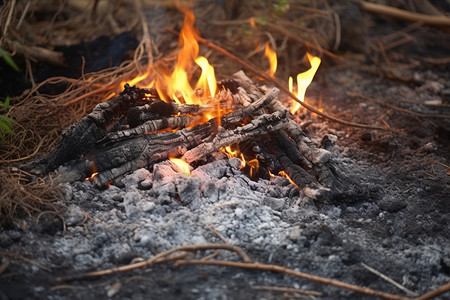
260 126
143 126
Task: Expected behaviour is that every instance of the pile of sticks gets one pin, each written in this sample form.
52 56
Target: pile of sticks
137 129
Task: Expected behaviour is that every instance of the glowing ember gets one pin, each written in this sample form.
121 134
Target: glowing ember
283 173
229 152
254 166
183 166
272 57
304 80
91 177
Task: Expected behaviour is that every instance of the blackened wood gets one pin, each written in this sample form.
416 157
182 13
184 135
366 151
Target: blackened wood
82 136
233 118
259 126
153 126
113 160
266 158
298 175
141 114
290 148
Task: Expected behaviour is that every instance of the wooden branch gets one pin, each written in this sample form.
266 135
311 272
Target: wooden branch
140 114
146 150
153 126
298 175
240 114
435 293
81 137
180 260
261 125
404 14
157 259
284 270
394 107
37 53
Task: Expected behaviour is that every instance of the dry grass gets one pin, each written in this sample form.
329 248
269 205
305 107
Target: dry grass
23 194
40 119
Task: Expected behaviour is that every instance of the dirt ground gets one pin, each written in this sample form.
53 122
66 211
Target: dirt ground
399 226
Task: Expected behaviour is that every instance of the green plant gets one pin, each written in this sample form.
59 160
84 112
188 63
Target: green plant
281 7
5 122
8 59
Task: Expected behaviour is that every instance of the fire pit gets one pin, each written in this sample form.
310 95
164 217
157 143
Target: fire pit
183 186
170 119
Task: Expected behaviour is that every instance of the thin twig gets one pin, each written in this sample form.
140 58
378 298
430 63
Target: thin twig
17 256
390 280
38 147
4 265
417 114
299 39
8 19
157 259
405 15
284 270
439 291
444 165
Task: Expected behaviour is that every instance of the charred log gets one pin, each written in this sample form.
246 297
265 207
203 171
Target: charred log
259 126
82 136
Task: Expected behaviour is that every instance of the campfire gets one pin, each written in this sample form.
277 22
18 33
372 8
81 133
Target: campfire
165 117
156 163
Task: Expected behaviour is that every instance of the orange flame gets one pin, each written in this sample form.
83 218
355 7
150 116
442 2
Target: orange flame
272 57
176 85
183 166
229 152
91 177
252 22
304 80
283 173
254 166
94 173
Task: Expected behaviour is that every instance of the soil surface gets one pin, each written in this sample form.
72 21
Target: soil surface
399 224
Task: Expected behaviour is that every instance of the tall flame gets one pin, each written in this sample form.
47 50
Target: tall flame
272 57
176 85
304 80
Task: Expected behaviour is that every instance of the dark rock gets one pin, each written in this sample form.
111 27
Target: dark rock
366 137
391 204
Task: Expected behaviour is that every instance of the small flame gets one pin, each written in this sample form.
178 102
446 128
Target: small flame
283 173
243 162
252 22
272 57
183 166
91 177
94 173
304 80
229 152
254 166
